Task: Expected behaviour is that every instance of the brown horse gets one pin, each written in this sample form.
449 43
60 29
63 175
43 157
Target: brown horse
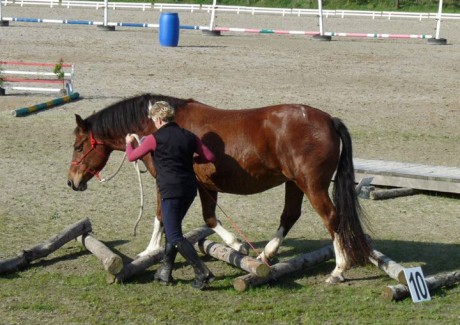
255 149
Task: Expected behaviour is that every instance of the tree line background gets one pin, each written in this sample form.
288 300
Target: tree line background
404 5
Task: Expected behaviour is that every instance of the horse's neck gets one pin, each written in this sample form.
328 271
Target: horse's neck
119 143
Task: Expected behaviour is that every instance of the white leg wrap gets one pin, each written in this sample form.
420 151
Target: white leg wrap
228 237
340 262
271 249
155 241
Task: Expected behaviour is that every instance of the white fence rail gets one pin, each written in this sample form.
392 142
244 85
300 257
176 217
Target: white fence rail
232 9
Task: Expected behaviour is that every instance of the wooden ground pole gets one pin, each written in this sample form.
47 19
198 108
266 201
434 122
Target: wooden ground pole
112 262
28 255
298 263
142 263
390 267
401 291
230 256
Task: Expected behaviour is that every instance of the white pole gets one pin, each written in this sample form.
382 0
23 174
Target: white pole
106 4
438 24
320 14
213 14
3 22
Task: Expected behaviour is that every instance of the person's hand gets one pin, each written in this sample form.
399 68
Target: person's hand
129 138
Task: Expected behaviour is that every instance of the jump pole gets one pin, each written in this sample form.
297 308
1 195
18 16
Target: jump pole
317 34
20 112
97 23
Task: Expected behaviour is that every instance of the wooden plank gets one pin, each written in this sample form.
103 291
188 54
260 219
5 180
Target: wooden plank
410 175
420 184
378 166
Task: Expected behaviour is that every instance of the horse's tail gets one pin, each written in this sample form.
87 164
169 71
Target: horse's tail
349 212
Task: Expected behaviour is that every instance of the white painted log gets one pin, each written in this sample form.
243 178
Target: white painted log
301 262
142 263
387 265
111 262
230 256
42 250
401 291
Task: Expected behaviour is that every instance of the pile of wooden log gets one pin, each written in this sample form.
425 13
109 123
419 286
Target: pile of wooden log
80 230
257 272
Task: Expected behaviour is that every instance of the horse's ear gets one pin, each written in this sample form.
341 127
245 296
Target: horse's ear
81 124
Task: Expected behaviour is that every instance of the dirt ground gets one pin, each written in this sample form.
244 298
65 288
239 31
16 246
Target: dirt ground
399 98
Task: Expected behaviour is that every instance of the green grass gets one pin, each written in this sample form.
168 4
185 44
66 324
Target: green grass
86 299
69 286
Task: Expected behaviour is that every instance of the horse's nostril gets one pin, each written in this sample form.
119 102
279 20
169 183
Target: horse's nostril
69 183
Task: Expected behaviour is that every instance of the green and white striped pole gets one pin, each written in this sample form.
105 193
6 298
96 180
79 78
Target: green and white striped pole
44 106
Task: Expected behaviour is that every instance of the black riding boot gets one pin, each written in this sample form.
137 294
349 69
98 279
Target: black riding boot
163 274
202 274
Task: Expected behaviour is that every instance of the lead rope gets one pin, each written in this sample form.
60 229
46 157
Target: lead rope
141 189
234 225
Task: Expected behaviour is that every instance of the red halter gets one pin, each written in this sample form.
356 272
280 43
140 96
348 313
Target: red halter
93 143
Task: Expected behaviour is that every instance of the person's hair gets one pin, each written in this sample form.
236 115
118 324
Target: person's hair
161 110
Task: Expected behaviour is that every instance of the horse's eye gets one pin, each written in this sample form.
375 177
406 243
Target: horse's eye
78 148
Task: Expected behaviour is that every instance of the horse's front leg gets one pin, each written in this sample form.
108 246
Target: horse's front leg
155 241
208 204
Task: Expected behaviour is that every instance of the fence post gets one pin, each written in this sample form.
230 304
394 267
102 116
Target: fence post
437 40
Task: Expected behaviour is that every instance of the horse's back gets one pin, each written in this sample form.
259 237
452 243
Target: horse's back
259 148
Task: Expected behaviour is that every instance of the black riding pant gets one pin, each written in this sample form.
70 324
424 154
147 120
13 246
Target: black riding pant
174 211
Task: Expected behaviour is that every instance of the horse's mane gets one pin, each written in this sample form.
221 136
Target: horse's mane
126 116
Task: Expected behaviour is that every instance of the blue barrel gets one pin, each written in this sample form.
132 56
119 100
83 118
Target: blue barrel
169 29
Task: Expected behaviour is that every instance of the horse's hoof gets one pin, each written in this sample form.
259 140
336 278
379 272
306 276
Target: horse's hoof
264 260
335 279
244 249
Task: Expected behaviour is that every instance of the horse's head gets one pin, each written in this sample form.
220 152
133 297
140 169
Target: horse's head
89 156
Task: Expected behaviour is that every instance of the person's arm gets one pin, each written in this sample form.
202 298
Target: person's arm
147 145
204 154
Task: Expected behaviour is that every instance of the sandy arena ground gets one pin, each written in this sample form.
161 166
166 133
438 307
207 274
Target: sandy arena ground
398 97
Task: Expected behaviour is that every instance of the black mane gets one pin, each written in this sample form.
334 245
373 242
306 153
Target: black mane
126 116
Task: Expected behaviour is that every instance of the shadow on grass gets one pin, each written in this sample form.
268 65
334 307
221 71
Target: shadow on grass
46 261
432 257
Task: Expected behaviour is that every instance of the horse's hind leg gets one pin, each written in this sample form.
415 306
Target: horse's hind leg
291 213
208 205
321 202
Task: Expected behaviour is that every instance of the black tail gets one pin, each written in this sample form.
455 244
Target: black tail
349 212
